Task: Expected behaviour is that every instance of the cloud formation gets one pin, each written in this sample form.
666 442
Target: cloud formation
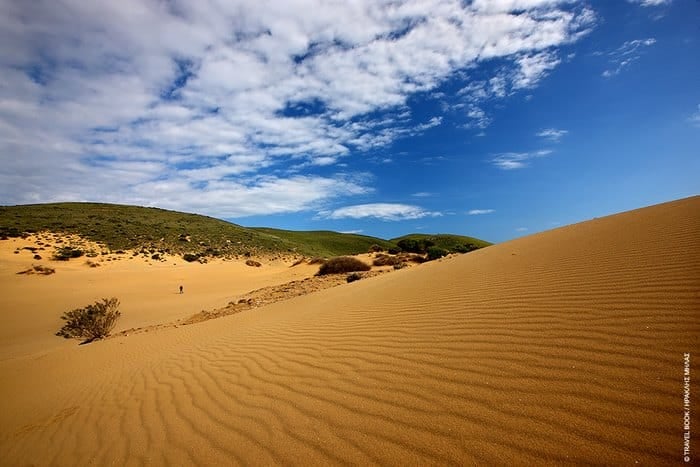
517 160
626 54
552 134
382 211
217 105
695 118
648 3
477 212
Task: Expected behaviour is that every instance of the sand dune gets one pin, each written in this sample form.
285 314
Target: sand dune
563 347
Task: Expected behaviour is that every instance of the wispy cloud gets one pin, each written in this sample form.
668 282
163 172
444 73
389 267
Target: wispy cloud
626 54
648 3
517 160
382 211
552 134
422 194
477 212
208 104
695 118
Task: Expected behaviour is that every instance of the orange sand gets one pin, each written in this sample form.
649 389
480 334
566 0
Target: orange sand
562 347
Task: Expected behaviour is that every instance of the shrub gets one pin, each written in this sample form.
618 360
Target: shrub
435 253
466 248
394 251
375 249
37 257
252 263
415 246
39 269
413 258
355 276
342 264
400 265
91 322
190 257
386 260
67 252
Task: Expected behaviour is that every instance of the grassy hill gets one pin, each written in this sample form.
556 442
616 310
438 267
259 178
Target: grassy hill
121 227
449 242
326 242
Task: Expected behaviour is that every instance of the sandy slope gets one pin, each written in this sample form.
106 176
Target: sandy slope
31 306
562 347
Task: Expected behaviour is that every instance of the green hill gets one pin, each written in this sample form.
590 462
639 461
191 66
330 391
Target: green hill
326 242
121 227
449 242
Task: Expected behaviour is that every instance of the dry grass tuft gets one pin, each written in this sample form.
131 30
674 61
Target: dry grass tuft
342 264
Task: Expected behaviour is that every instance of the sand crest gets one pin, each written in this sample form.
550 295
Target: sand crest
563 347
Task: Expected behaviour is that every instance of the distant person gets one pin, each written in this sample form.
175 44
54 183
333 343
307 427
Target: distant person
180 289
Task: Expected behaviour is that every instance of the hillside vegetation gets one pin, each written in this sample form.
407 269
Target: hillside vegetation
120 227
326 242
449 242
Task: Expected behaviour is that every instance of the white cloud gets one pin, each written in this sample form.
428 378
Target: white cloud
517 160
171 102
647 3
626 54
476 212
383 211
552 134
423 194
695 118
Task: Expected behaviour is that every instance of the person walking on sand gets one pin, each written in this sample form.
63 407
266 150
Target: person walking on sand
180 289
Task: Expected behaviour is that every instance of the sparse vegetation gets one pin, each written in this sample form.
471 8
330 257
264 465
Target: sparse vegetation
355 276
151 230
451 243
386 260
92 322
39 269
65 253
435 253
342 264
190 257
375 249
253 263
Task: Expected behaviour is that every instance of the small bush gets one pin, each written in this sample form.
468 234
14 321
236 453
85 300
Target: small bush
37 257
355 276
394 251
190 257
67 252
39 269
91 322
375 249
435 253
317 260
386 260
465 248
253 263
400 265
412 258
342 264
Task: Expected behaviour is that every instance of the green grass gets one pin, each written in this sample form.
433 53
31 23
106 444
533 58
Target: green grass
121 227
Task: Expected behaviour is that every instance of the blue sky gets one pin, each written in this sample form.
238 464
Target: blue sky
494 118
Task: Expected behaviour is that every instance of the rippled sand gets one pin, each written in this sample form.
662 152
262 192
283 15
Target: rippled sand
561 347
